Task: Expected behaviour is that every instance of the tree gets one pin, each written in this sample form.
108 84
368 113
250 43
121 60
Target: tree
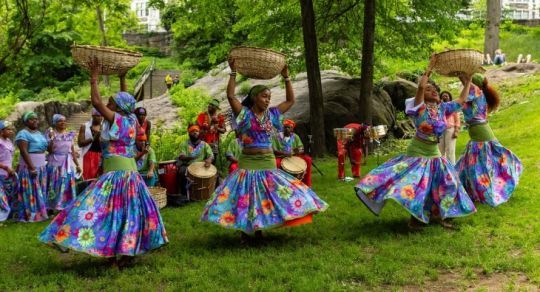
316 99
493 22
368 56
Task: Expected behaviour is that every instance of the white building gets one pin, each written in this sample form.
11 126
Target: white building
148 16
521 9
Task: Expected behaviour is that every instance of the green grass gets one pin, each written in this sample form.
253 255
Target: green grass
346 248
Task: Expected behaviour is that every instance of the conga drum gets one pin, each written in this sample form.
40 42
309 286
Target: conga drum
295 166
167 172
202 181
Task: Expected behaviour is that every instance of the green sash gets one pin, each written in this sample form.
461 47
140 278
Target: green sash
418 148
481 133
257 161
118 163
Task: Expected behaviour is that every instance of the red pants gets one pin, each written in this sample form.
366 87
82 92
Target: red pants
91 161
307 176
233 166
355 155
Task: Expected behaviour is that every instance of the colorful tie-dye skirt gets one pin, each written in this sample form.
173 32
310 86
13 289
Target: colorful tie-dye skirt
421 181
30 200
60 187
259 196
7 190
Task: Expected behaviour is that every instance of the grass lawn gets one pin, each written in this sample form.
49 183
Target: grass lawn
346 248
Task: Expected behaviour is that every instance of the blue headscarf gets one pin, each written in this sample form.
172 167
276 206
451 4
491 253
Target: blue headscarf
4 124
57 118
125 102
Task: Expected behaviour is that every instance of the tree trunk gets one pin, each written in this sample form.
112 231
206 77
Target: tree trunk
104 42
316 101
493 21
368 56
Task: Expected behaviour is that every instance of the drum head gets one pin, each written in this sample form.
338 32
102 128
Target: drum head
197 169
167 162
294 164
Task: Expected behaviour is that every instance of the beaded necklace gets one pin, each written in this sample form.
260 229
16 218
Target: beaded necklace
432 108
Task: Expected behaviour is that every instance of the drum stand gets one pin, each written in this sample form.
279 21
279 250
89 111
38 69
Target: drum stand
310 141
377 144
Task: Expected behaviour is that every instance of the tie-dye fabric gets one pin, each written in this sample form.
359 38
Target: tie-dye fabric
257 195
61 172
7 191
30 201
115 215
489 172
5 209
421 181
118 137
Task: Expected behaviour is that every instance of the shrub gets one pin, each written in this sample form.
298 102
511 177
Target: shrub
7 103
191 102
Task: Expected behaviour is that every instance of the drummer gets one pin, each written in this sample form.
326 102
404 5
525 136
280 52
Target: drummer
287 144
353 148
211 124
192 150
234 149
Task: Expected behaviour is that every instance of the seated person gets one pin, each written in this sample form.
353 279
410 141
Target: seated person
146 160
524 60
287 144
192 150
233 152
499 58
487 60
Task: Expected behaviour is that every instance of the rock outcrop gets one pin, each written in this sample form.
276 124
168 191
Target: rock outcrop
45 111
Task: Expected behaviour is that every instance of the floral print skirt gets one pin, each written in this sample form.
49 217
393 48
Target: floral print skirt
115 215
60 187
7 190
489 172
29 202
424 186
257 199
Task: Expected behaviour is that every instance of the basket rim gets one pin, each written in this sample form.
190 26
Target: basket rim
257 48
456 50
108 50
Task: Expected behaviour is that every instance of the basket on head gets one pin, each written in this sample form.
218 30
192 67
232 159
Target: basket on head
111 60
159 195
454 62
257 63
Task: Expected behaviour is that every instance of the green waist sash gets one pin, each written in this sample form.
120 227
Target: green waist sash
481 133
118 163
418 148
257 161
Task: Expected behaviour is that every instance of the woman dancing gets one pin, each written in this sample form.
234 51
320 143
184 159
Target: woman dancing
115 215
60 162
421 181
258 195
489 172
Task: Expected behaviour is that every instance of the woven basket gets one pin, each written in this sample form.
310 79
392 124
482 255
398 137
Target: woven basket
258 63
454 62
159 195
111 60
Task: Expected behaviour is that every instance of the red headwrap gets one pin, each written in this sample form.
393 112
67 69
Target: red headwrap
194 128
290 123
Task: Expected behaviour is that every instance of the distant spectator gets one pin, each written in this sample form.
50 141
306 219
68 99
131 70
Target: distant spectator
168 81
176 79
487 60
524 60
500 58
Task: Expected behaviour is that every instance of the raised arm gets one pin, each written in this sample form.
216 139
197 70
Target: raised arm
419 98
95 97
466 80
123 84
289 93
236 106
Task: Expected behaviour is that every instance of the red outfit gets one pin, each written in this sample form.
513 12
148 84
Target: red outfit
307 176
233 167
353 149
209 133
91 162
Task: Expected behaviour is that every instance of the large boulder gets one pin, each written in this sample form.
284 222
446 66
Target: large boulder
399 90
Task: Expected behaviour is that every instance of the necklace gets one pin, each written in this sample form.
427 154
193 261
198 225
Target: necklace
263 121
433 111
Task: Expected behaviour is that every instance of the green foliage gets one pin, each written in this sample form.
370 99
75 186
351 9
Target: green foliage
166 142
190 101
7 103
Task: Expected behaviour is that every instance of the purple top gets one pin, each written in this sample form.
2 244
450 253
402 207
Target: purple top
61 148
258 133
430 121
118 139
475 108
6 154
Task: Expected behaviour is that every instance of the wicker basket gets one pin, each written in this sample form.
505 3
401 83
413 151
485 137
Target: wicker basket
111 60
159 195
454 62
258 63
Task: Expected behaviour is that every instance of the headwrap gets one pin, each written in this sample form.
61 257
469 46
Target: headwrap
253 92
215 103
95 112
29 115
140 111
125 102
193 128
57 118
478 79
290 123
4 124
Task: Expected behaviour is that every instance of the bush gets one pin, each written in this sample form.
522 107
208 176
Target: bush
7 103
166 142
191 102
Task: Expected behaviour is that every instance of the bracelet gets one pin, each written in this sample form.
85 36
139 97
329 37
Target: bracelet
286 79
233 73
